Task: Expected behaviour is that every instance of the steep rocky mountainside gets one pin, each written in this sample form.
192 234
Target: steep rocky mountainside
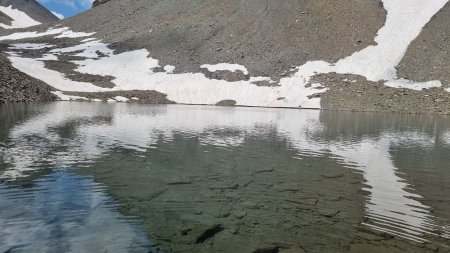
31 8
341 55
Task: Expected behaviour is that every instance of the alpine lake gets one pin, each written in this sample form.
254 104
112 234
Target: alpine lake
118 177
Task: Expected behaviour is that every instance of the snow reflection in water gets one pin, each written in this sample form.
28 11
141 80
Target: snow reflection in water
91 130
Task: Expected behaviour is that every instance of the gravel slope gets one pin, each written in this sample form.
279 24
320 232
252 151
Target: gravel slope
32 8
16 86
268 37
428 57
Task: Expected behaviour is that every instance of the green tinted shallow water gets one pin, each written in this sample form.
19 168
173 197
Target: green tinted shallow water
95 177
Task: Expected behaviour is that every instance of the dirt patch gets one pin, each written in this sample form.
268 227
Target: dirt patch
68 68
226 75
143 96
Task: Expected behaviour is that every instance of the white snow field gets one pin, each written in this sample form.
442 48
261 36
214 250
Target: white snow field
133 70
19 18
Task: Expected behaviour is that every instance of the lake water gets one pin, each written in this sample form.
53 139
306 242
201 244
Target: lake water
98 177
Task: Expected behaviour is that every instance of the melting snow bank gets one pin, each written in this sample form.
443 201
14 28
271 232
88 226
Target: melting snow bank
64 97
133 70
62 32
403 83
19 18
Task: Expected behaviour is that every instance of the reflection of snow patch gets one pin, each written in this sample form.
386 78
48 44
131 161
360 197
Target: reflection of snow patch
446 138
139 128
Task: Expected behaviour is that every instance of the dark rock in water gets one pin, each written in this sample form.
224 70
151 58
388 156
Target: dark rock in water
267 249
185 231
332 176
239 214
224 186
365 247
222 215
179 180
328 212
209 233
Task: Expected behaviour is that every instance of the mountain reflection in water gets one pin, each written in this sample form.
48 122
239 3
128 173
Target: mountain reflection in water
296 179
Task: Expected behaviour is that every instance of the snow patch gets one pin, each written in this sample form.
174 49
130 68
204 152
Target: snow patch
121 99
403 83
70 34
64 97
36 69
88 49
20 18
64 32
169 69
89 39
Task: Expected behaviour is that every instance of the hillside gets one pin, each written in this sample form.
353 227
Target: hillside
23 13
347 55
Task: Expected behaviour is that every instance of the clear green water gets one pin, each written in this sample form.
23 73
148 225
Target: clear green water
97 177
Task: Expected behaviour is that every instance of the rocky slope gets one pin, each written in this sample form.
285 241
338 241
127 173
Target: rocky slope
23 13
252 53
428 57
16 86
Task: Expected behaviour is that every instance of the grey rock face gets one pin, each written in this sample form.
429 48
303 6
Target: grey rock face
5 19
98 2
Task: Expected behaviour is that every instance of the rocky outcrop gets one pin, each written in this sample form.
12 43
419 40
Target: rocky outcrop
5 19
98 2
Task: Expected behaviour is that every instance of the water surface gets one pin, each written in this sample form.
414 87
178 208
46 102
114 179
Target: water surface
80 177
